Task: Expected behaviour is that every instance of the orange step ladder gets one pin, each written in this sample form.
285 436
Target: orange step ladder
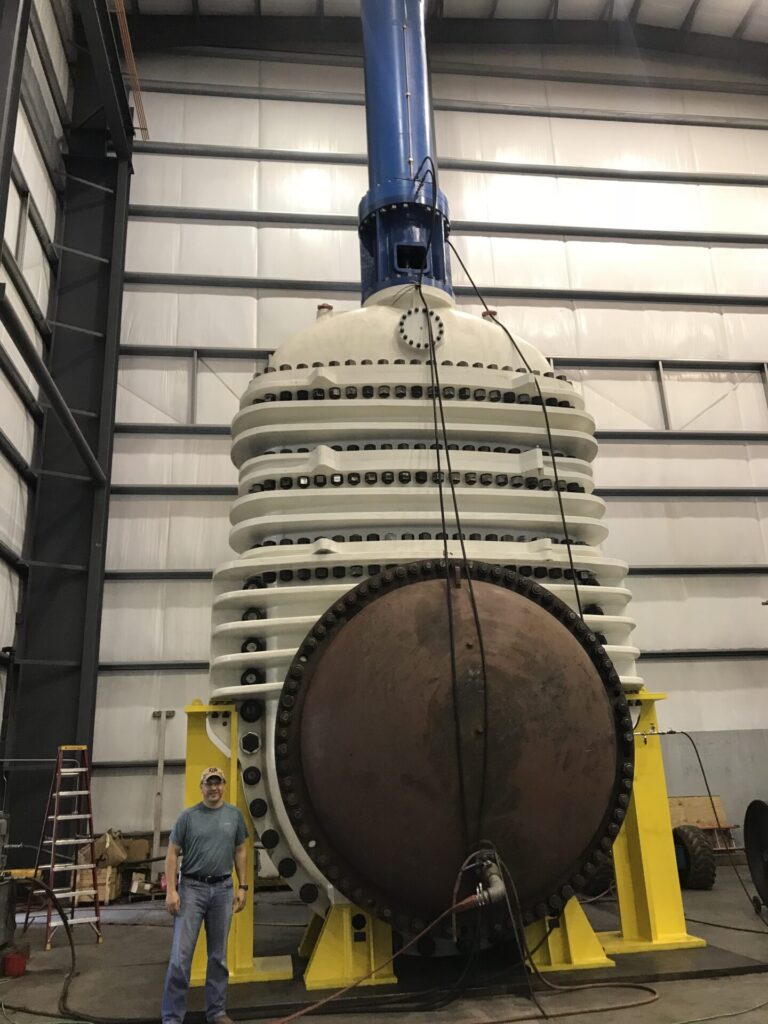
68 829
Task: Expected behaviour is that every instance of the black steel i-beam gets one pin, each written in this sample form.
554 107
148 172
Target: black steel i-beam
52 682
14 25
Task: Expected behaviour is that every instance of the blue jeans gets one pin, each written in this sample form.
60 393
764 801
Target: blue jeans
212 904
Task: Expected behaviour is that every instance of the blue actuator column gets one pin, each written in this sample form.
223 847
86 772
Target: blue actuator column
403 218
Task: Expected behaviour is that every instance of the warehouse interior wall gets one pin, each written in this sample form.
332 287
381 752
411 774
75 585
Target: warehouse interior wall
621 229
28 269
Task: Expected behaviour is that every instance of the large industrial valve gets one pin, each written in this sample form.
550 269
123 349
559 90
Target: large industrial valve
394 766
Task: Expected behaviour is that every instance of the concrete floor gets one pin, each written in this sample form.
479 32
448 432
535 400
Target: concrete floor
123 977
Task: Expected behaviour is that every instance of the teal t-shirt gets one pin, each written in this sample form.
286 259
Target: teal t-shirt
208 837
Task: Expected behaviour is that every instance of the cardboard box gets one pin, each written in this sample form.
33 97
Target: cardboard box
139 884
136 850
109 850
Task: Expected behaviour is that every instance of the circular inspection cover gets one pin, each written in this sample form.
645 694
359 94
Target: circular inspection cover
394 766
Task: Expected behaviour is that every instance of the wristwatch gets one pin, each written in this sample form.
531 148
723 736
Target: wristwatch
244 887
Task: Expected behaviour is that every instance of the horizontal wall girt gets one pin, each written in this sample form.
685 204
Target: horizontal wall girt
543 295
204 352
685 436
177 429
257 92
152 666
458 227
644 363
208 151
698 570
702 654
150 575
169 765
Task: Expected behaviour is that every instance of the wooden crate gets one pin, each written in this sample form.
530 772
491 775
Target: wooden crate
697 810
109 882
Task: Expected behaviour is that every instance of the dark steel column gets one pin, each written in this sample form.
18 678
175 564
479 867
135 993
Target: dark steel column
14 24
55 673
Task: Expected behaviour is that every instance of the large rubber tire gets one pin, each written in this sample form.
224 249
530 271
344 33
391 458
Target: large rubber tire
600 882
696 866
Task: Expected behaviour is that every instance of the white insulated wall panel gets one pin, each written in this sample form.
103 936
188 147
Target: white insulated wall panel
710 696
218 317
621 399
687 531
54 42
5 339
168 533
717 401
148 459
9 598
16 422
707 612
287 253
220 385
127 801
11 229
36 269
634 464
152 393
280 187
33 168
13 507
172 617
627 330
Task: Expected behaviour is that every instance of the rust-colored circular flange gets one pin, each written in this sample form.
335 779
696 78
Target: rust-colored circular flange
378 737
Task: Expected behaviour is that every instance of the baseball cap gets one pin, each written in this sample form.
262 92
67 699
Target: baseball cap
209 773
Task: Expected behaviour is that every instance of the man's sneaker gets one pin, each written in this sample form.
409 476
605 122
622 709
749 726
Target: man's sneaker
222 1019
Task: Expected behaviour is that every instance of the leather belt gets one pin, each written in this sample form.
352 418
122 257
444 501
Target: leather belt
210 879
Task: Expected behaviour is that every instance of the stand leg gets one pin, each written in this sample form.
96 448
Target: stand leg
350 945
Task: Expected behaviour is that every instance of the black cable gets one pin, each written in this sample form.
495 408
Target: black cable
492 316
634 986
681 732
437 405
726 927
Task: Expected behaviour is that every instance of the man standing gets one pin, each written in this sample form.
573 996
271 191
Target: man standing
209 837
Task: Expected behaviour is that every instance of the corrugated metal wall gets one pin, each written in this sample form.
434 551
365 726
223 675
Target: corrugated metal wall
623 230
27 269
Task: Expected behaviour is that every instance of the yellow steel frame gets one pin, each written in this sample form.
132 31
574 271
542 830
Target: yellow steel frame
202 752
647 885
351 945
648 890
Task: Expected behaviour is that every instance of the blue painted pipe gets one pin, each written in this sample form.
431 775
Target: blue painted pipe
396 90
403 217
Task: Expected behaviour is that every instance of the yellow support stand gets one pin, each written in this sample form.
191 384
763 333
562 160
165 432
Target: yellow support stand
569 946
350 946
201 753
647 884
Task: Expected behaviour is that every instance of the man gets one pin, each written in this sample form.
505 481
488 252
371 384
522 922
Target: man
208 837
